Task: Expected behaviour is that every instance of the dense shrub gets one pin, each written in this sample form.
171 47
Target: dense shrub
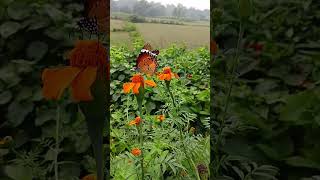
273 114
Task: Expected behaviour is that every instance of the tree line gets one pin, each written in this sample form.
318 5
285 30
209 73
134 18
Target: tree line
153 9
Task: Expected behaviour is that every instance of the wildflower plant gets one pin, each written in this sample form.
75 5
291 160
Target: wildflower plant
88 76
156 138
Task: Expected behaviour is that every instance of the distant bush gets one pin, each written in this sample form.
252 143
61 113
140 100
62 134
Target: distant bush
162 21
136 19
129 27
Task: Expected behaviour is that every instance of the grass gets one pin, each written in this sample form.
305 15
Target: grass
193 34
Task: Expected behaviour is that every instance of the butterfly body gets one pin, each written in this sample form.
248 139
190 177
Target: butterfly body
147 60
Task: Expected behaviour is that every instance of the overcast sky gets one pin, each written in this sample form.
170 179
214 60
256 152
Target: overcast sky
198 4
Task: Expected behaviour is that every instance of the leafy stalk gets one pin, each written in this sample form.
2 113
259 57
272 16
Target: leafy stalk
190 161
227 100
56 173
139 101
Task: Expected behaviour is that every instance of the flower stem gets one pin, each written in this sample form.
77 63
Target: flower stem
222 123
141 137
190 161
57 144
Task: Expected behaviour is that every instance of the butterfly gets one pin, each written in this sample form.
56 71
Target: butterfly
147 60
96 16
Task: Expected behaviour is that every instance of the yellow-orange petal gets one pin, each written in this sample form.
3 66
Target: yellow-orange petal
81 85
150 83
56 80
127 87
168 77
136 88
136 151
133 122
161 76
89 177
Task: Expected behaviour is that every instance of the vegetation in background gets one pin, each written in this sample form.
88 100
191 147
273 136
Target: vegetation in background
35 35
271 125
151 9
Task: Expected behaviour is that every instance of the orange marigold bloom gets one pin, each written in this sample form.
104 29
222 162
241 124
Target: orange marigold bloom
213 47
160 118
136 121
87 60
136 151
90 177
167 75
137 81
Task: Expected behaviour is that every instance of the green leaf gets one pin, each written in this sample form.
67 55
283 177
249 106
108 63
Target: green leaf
8 75
298 161
245 8
17 172
289 33
296 105
37 50
17 111
38 23
19 10
54 13
44 115
8 28
5 97
150 106
50 155
24 93
23 66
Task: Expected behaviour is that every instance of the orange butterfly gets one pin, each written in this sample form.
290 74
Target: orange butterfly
147 60
96 19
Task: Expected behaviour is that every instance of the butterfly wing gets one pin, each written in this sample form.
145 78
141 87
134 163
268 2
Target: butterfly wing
155 52
96 15
146 64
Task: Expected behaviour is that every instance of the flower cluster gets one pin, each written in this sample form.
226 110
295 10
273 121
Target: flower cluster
87 61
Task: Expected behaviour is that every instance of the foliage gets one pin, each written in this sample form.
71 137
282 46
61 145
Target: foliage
273 114
34 35
152 9
164 157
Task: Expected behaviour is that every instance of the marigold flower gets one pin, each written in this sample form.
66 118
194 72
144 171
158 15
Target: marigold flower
90 177
137 81
5 140
136 151
167 75
213 47
87 60
136 121
160 118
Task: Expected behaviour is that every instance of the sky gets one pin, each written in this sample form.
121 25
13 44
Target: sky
197 4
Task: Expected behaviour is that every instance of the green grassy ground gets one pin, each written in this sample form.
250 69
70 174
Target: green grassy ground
192 34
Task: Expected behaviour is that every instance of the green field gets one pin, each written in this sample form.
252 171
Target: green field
192 34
